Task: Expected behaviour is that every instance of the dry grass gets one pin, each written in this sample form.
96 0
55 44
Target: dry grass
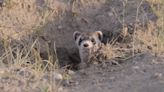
145 39
158 7
152 38
26 72
22 68
27 17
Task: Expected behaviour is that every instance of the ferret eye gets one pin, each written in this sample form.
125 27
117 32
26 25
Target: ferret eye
80 40
93 40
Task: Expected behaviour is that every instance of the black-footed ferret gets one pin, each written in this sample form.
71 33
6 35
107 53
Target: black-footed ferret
87 43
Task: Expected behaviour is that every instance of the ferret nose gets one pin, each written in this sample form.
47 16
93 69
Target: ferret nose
85 45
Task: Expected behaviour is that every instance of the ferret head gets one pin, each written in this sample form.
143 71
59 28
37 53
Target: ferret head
87 40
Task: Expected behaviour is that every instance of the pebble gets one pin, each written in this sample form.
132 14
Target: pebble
59 27
57 76
70 72
157 75
136 67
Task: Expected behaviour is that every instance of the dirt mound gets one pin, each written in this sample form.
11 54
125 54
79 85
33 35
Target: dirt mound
53 22
143 73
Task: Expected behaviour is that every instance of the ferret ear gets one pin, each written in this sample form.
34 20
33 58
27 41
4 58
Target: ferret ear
76 34
99 35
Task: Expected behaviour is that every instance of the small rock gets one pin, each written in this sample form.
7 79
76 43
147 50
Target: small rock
57 76
154 62
70 72
136 67
59 27
157 75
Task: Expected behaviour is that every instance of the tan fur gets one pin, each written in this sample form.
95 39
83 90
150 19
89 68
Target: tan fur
87 43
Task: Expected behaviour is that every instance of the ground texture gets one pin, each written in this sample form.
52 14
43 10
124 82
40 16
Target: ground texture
45 23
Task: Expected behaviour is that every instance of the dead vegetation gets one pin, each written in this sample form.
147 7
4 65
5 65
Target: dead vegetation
28 64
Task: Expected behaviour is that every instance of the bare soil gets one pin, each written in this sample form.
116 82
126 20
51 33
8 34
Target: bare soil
56 20
143 73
